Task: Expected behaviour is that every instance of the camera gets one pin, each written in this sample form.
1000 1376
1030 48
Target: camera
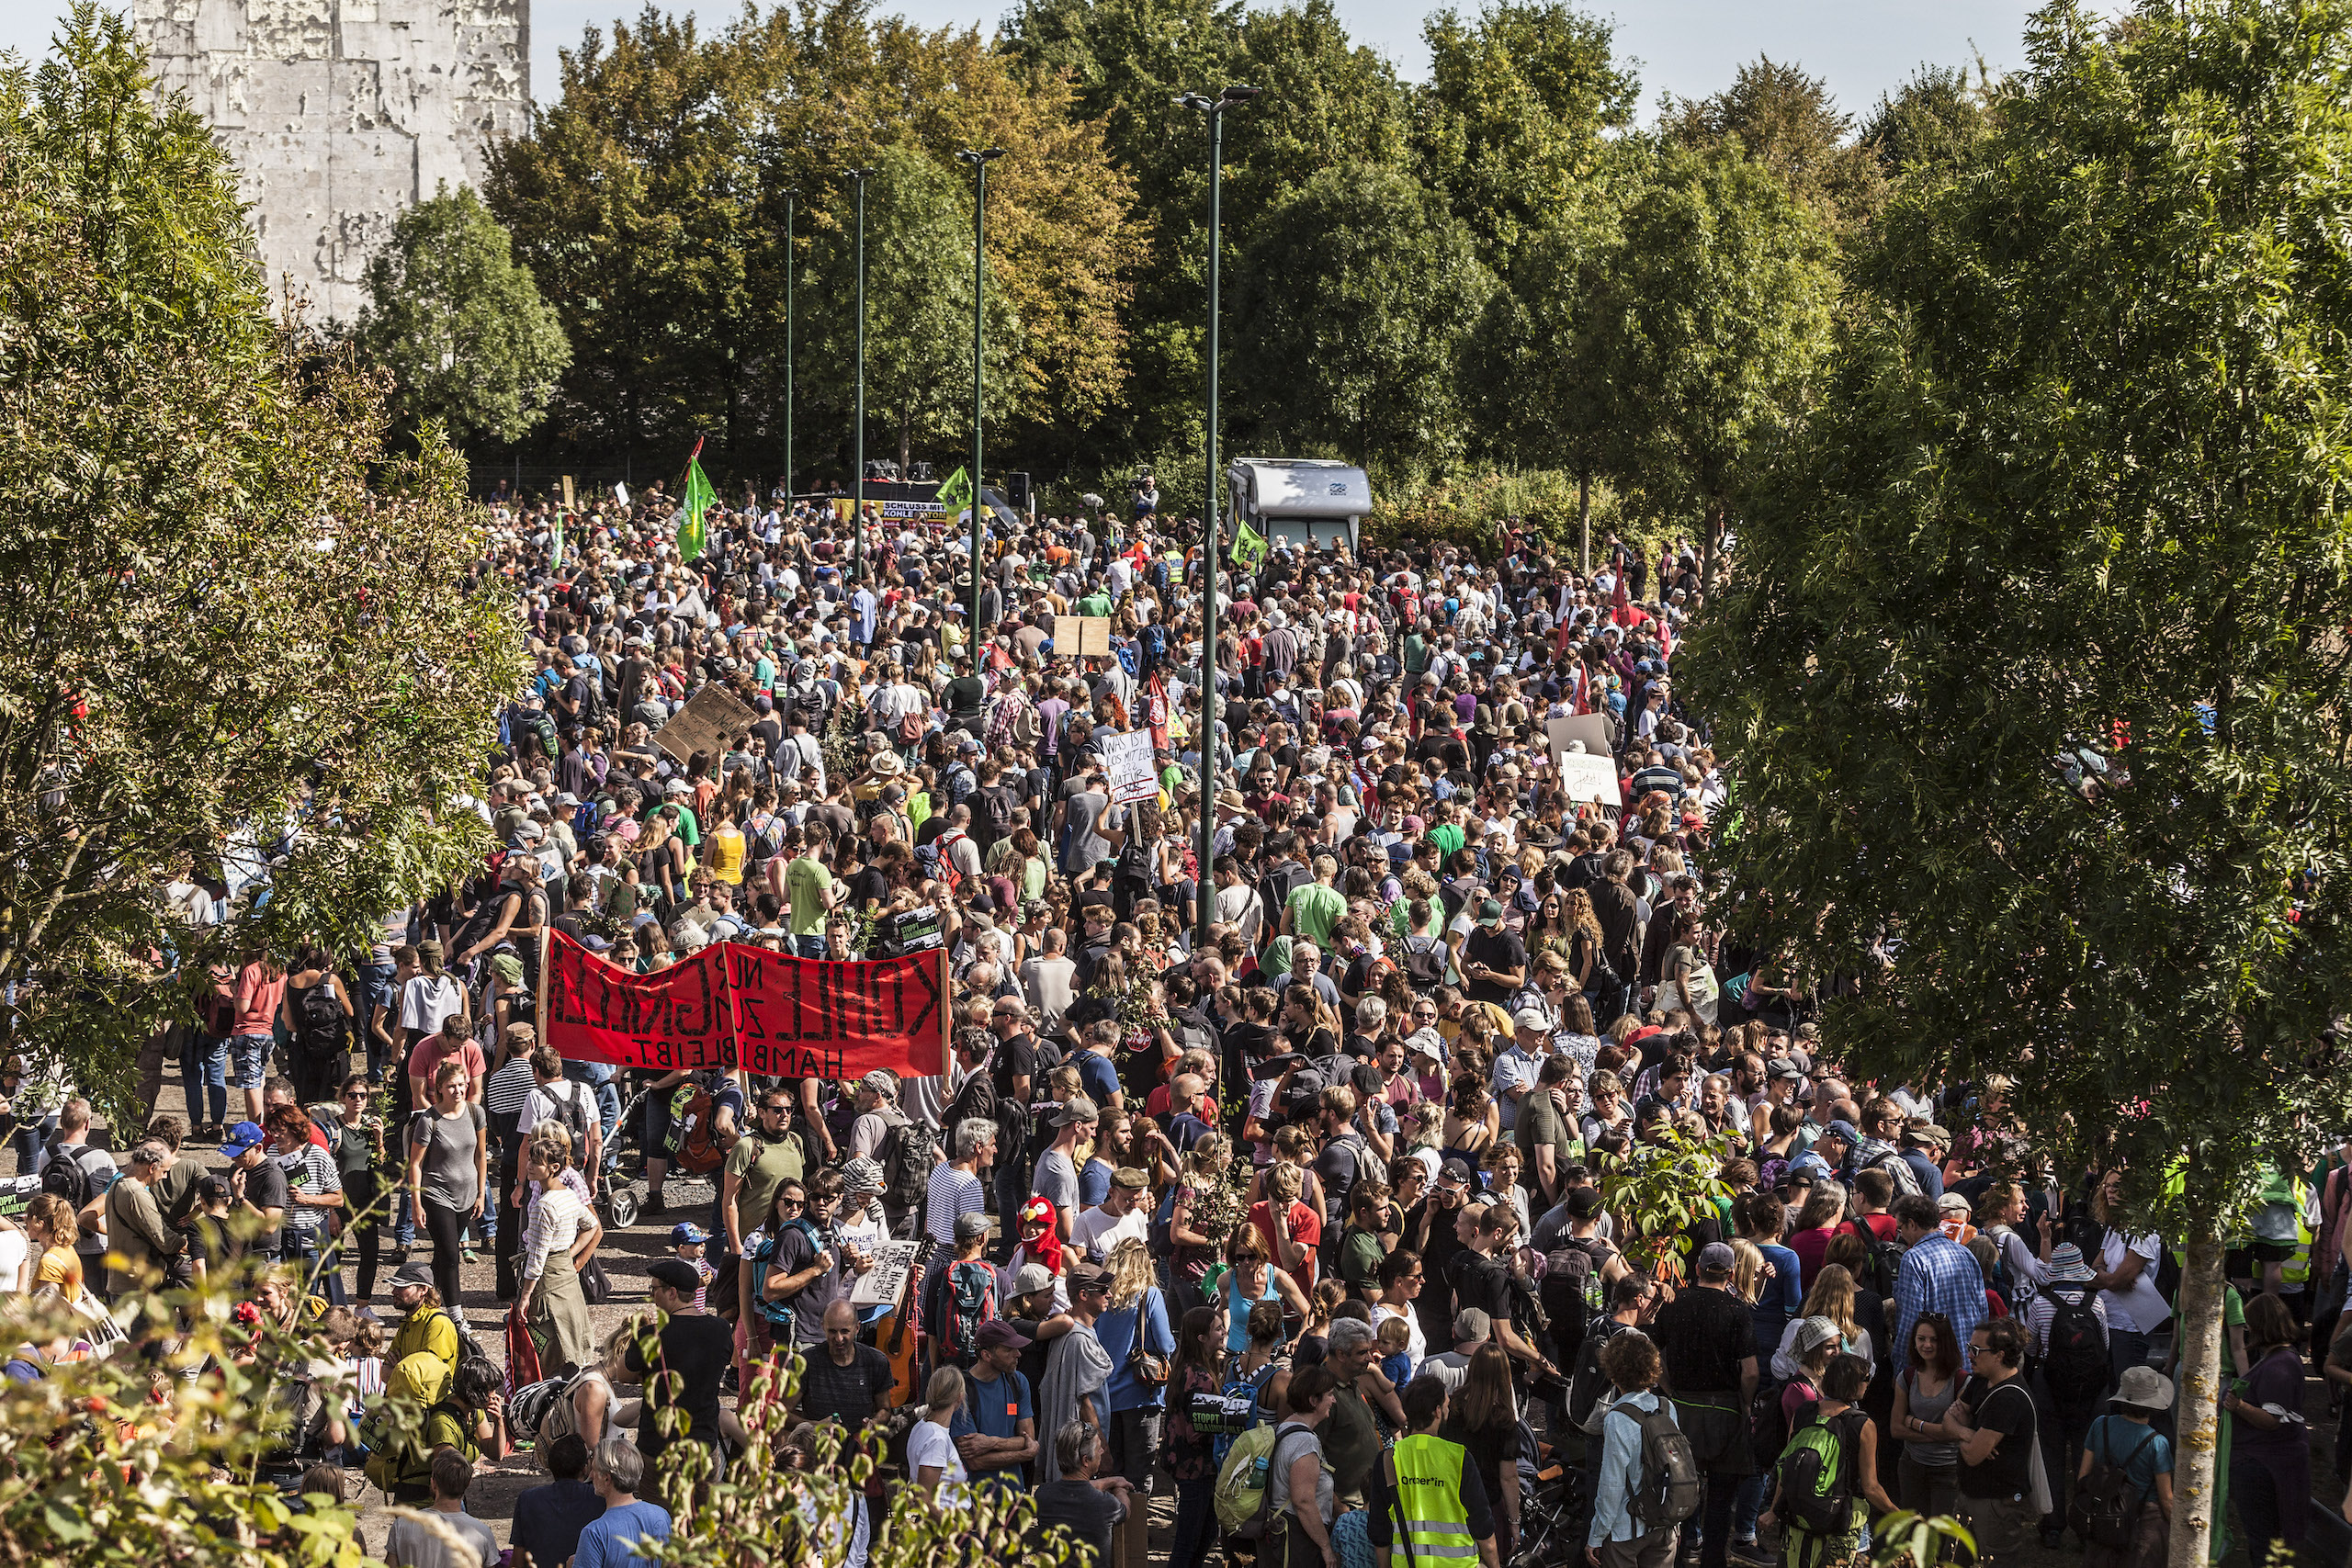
1142 481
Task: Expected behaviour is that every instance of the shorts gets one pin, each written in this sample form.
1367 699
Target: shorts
249 1057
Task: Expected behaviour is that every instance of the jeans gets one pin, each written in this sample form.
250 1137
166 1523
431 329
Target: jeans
809 946
204 1072
1195 1523
1011 1191
2273 1500
303 1248
1747 1505
1134 1445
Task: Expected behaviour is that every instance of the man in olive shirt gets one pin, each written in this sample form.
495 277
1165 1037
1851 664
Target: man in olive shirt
762 1160
809 882
1350 1437
1547 1144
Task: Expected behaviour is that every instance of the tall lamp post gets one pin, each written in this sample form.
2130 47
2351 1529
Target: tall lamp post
857 458
980 158
789 198
1204 900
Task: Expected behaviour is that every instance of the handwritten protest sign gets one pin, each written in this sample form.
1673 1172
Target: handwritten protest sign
730 1005
1128 761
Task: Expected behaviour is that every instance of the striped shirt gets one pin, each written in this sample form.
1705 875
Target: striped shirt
508 1088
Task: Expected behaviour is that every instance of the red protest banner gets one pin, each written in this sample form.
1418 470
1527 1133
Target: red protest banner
730 1005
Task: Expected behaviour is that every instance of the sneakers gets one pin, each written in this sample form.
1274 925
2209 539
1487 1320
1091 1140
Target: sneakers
1751 1551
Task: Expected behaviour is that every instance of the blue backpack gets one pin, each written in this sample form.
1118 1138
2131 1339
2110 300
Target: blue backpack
778 1315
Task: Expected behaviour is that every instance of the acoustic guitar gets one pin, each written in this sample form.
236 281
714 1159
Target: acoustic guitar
898 1340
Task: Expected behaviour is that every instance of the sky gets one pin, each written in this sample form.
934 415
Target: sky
1689 47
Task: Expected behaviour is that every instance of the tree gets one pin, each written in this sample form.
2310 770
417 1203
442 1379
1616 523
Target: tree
1347 311
231 662
1927 122
2034 660
918 306
1786 120
1514 121
1709 318
459 323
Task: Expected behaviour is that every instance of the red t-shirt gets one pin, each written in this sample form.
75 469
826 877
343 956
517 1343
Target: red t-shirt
1305 1229
426 1057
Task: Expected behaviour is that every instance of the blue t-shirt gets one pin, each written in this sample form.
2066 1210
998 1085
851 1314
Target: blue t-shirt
605 1542
1780 1298
1116 1331
1094 1183
2111 1438
994 1410
1099 1077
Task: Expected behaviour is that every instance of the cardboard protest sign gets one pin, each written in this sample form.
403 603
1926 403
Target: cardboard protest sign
1584 777
1080 636
880 1285
1593 728
732 1005
1128 761
712 719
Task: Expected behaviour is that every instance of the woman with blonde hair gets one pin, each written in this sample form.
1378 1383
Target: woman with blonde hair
1135 1332
1208 1208
562 1235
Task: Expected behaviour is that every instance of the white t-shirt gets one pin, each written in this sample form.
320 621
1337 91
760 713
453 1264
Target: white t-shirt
1418 1345
2140 1310
929 1444
1096 1231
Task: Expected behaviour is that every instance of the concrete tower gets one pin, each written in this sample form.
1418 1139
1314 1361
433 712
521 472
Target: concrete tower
340 113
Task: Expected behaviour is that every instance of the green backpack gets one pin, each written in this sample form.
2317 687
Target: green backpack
1817 1474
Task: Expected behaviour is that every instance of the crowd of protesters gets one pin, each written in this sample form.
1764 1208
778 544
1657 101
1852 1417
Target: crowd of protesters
1314 1136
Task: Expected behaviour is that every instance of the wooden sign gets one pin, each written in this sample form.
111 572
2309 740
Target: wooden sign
711 720
567 493
1081 637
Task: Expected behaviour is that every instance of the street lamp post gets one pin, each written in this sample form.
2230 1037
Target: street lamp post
789 197
980 158
1204 899
857 457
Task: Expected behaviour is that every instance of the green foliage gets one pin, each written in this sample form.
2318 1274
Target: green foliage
1347 311
918 308
1659 1188
227 645
459 325
1905 1537
1512 124
1787 120
2034 661
148 1455
1929 122
1708 317
650 203
790 1494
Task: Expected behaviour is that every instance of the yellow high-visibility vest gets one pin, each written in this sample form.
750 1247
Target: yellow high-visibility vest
1433 1521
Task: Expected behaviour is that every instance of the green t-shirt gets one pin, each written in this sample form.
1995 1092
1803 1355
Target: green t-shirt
689 828
1314 910
1447 837
761 1167
1094 605
806 882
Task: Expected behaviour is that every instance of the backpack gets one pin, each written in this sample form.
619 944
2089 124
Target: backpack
421 1379
1157 1239
1425 961
1672 1484
778 1314
2075 1363
1244 1497
971 1301
696 1153
528 1407
1571 1293
1768 1423
909 1151
1817 1475
67 1176
1586 1409
574 1112
319 1022
2105 1508
910 728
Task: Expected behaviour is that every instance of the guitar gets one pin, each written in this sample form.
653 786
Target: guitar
897 1341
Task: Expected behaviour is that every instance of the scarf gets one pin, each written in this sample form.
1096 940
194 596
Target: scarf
1076 1368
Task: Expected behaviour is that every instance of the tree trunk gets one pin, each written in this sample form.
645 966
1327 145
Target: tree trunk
2199 1332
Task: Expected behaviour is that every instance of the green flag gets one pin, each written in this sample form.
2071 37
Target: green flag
1249 546
955 492
555 555
692 537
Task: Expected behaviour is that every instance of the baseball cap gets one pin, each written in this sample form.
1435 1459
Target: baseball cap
416 1274
1086 1275
1455 1173
1031 1279
1530 1018
674 1272
248 1135
1490 913
1717 1258
996 1333
1841 1128
685 1233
